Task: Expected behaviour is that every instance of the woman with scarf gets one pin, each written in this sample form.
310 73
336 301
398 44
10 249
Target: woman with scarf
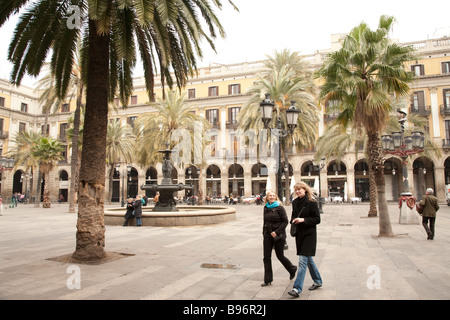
274 234
305 213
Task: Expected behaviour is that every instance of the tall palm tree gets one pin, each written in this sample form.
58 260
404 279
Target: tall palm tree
47 152
120 142
172 120
285 77
361 77
167 35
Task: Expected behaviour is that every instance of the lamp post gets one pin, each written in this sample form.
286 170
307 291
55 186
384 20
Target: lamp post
266 108
128 171
399 145
6 164
318 167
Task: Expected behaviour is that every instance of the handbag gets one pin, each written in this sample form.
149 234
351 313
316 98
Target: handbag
294 226
419 208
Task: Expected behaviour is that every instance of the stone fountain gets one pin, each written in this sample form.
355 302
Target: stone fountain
166 189
165 212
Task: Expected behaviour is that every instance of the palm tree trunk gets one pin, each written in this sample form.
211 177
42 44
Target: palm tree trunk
74 157
46 202
90 237
37 199
373 212
376 165
200 184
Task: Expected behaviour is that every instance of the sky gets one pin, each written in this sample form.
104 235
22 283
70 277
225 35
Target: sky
262 27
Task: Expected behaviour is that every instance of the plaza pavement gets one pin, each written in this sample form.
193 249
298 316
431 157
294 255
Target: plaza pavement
224 261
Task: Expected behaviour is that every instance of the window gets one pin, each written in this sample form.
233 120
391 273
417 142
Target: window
213 91
24 107
131 120
446 98
117 101
232 115
234 89
22 127
133 100
447 130
418 102
418 69
212 116
65 107
1 125
445 67
63 131
45 132
191 93
2 102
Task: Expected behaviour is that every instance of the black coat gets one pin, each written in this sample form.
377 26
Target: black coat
306 238
275 219
137 204
130 209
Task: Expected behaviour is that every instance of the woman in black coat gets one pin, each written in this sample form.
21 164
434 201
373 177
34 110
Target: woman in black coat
274 235
129 213
305 214
138 210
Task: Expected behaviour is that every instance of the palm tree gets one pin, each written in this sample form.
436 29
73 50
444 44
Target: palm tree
47 152
120 142
167 35
361 77
285 77
21 150
173 118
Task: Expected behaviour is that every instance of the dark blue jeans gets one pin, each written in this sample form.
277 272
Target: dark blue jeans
429 229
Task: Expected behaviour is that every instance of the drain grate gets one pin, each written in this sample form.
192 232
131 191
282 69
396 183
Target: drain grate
345 224
219 266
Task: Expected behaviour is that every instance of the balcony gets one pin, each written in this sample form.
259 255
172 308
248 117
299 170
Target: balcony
231 124
445 110
4 134
445 144
420 110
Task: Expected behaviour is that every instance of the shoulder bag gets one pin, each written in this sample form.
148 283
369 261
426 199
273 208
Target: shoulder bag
294 226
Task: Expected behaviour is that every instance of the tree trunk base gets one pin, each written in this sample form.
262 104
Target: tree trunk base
91 224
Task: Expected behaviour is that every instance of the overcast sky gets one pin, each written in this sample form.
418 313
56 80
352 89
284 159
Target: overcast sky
263 26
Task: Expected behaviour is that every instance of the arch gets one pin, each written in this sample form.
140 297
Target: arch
423 176
213 183
362 180
235 180
260 174
191 174
63 193
337 177
393 178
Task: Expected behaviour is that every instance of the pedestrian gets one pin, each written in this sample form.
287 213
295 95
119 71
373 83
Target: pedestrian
274 236
129 212
430 207
305 214
1 206
138 210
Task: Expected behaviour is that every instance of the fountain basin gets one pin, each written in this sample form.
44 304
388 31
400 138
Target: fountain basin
186 216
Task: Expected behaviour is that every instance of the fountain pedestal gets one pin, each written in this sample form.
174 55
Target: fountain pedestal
166 202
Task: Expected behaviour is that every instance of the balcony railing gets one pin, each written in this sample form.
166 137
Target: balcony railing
420 110
445 110
445 143
4 134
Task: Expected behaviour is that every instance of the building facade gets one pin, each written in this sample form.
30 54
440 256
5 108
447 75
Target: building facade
218 93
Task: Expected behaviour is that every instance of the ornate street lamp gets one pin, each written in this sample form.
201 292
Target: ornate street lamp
397 144
266 108
318 168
